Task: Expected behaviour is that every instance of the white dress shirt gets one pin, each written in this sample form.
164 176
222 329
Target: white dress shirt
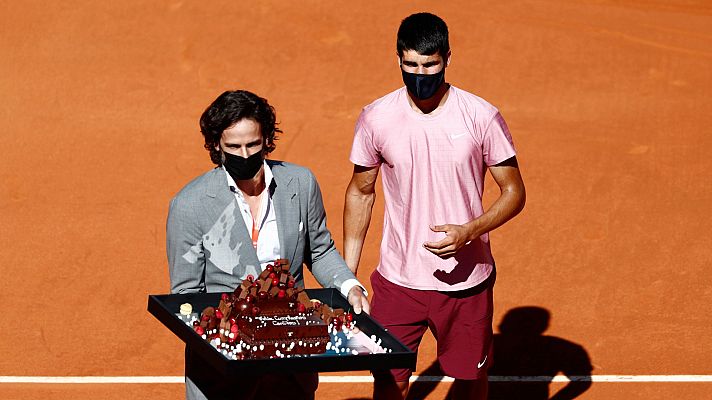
268 239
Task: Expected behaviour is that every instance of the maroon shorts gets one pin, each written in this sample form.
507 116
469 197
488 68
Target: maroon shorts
460 321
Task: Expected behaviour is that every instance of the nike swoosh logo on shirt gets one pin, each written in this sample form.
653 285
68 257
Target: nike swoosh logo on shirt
480 364
459 135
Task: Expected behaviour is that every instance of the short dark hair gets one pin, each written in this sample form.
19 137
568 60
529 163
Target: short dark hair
425 33
231 107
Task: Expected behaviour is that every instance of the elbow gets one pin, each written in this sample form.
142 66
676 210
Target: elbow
518 196
358 196
522 198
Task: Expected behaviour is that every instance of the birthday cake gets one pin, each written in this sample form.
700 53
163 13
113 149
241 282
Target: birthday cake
268 317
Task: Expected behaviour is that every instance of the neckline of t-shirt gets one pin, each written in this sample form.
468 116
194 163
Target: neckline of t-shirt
428 117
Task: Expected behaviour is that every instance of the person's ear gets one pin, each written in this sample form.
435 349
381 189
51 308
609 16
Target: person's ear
266 145
447 59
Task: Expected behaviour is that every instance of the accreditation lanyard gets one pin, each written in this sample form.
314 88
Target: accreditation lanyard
255 228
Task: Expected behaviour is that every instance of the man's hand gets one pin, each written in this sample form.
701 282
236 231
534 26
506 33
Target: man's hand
358 300
456 237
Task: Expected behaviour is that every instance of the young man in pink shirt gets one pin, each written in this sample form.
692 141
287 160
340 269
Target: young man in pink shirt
434 143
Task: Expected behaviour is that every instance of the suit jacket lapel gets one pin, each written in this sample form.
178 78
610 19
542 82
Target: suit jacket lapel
286 208
220 193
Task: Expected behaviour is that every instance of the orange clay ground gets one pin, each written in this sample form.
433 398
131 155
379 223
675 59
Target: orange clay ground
608 102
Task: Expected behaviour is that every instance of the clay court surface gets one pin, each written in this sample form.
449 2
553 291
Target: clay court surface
608 102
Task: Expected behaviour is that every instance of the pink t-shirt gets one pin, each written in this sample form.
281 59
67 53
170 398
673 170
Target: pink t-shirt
433 169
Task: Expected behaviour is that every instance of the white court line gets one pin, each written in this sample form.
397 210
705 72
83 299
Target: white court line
364 379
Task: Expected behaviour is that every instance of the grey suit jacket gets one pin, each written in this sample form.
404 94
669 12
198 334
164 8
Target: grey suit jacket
210 249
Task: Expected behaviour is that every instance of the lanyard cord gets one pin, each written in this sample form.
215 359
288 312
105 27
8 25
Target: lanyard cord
255 234
255 229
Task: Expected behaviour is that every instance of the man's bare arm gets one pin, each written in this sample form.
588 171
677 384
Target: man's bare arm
510 202
358 204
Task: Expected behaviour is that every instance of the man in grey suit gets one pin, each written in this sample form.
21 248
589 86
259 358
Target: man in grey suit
234 220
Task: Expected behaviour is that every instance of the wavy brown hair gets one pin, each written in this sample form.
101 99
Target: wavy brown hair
231 107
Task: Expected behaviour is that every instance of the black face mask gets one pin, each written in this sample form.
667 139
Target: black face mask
241 168
423 86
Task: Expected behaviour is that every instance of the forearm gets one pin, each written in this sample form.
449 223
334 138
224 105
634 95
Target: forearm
510 203
357 217
330 270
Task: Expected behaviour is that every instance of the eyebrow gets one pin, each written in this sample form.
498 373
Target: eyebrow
425 64
235 145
